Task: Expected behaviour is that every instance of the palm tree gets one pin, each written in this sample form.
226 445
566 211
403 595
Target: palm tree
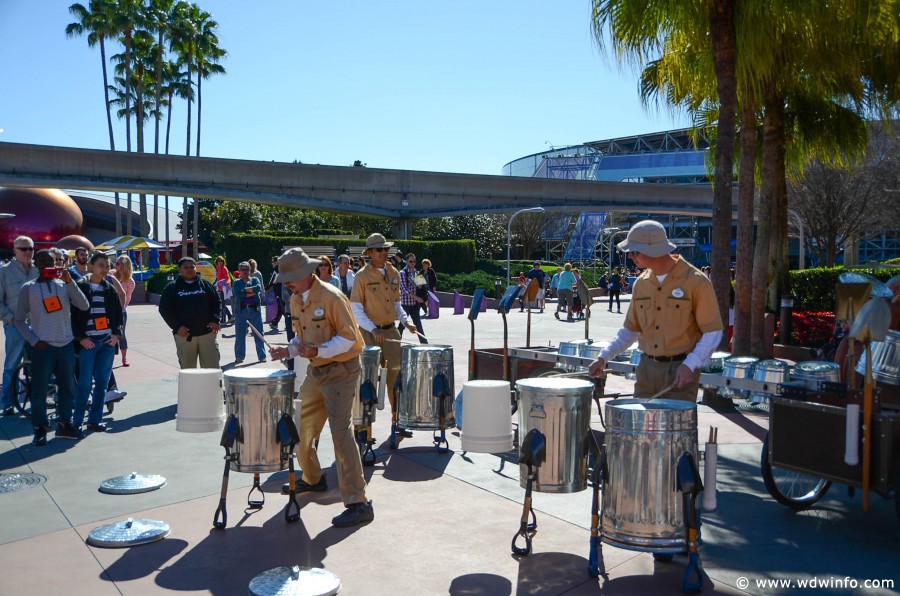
641 30
97 22
159 15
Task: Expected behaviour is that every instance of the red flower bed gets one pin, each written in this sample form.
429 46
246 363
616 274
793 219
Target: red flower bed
810 328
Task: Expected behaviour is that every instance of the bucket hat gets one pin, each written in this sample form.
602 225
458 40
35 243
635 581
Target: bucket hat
295 265
647 237
377 241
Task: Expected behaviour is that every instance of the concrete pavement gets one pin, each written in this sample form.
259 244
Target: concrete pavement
443 523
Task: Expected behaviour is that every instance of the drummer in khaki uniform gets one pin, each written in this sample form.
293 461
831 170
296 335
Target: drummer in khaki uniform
673 314
326 334
376 304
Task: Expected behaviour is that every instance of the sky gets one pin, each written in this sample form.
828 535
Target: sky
452 87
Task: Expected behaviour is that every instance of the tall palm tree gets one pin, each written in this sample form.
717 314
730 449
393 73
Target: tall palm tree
97 22
159 15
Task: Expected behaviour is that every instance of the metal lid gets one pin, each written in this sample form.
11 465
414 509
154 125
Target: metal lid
771 364
295 581
258 373
721 355
131 532
651 415
816 366
132 484
554 383
741 360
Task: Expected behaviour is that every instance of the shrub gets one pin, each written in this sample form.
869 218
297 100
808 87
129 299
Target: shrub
810 328
160 278
814 289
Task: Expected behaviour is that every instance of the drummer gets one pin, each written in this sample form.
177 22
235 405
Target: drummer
375 299
673 315
326 334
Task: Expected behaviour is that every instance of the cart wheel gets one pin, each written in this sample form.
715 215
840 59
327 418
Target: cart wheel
790 488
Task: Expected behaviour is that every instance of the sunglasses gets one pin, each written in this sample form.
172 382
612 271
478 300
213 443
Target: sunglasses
25 248
381 249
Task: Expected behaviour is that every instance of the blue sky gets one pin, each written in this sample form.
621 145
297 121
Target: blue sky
455 87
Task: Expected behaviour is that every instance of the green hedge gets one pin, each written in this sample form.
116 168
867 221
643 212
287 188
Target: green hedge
814 289
448 256
159 279
465 283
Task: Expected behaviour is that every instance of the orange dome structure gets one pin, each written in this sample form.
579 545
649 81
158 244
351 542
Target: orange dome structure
46 215
74 241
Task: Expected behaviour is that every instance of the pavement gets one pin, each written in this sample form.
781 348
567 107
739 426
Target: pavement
443 522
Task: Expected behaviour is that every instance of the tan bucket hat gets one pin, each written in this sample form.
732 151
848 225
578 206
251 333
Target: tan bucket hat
377 241
295 265
647 237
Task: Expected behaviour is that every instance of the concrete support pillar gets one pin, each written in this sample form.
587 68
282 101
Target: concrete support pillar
403 228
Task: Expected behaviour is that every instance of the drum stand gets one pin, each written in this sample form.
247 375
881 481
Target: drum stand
532 454
395 411
231 432
441 392
288 437
368 394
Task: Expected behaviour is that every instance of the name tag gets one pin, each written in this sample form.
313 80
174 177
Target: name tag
52 304
101 323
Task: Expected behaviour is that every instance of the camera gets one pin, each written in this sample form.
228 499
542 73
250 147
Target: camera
53 271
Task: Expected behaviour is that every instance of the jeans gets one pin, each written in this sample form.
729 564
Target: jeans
413 312
15 348
614 293
244 316
94 366
45 362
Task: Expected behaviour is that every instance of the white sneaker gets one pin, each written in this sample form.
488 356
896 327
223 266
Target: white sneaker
114 395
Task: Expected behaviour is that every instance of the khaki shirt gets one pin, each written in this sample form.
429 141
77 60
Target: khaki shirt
672 316
377 293
326 314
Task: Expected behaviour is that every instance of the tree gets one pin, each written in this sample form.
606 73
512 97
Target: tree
838 203
97 22
487 230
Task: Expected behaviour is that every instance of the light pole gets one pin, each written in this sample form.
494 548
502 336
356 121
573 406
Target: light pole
509 233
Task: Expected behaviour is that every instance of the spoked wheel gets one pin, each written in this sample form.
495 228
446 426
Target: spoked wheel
792 489
21 385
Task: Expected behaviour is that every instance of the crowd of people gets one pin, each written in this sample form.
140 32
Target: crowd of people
69 321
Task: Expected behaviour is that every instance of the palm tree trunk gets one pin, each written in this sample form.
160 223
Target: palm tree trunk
128 96
778 242
196 201
185 222
109 125
721 17
743 267
168 136
773 123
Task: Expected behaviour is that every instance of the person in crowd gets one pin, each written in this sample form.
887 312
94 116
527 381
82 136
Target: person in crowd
275 288
409 298
521 280
247 292
537 273
97 331
375 300
673 315
345 275
554 286
397 260
325 272
16 273
80 268
614 285
124 272
223 286
191 307
44 319
360 263
430 284
255 272
328 336
565 287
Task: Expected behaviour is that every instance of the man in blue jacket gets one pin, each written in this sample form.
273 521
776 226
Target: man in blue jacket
190 307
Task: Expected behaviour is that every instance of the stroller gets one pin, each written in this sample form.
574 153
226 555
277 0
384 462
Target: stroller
577 307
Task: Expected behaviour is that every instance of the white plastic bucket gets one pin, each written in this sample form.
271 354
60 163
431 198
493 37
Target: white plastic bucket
487 417
201 403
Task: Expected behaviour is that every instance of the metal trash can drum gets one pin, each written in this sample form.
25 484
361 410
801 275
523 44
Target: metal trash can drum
592 350
370 361
885 359
560 408
201 408
644 440
419 408
258 397
771 371
487 420
740 367
812 372
570 348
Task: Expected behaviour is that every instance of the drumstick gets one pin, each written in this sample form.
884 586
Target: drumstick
259 335
664 390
